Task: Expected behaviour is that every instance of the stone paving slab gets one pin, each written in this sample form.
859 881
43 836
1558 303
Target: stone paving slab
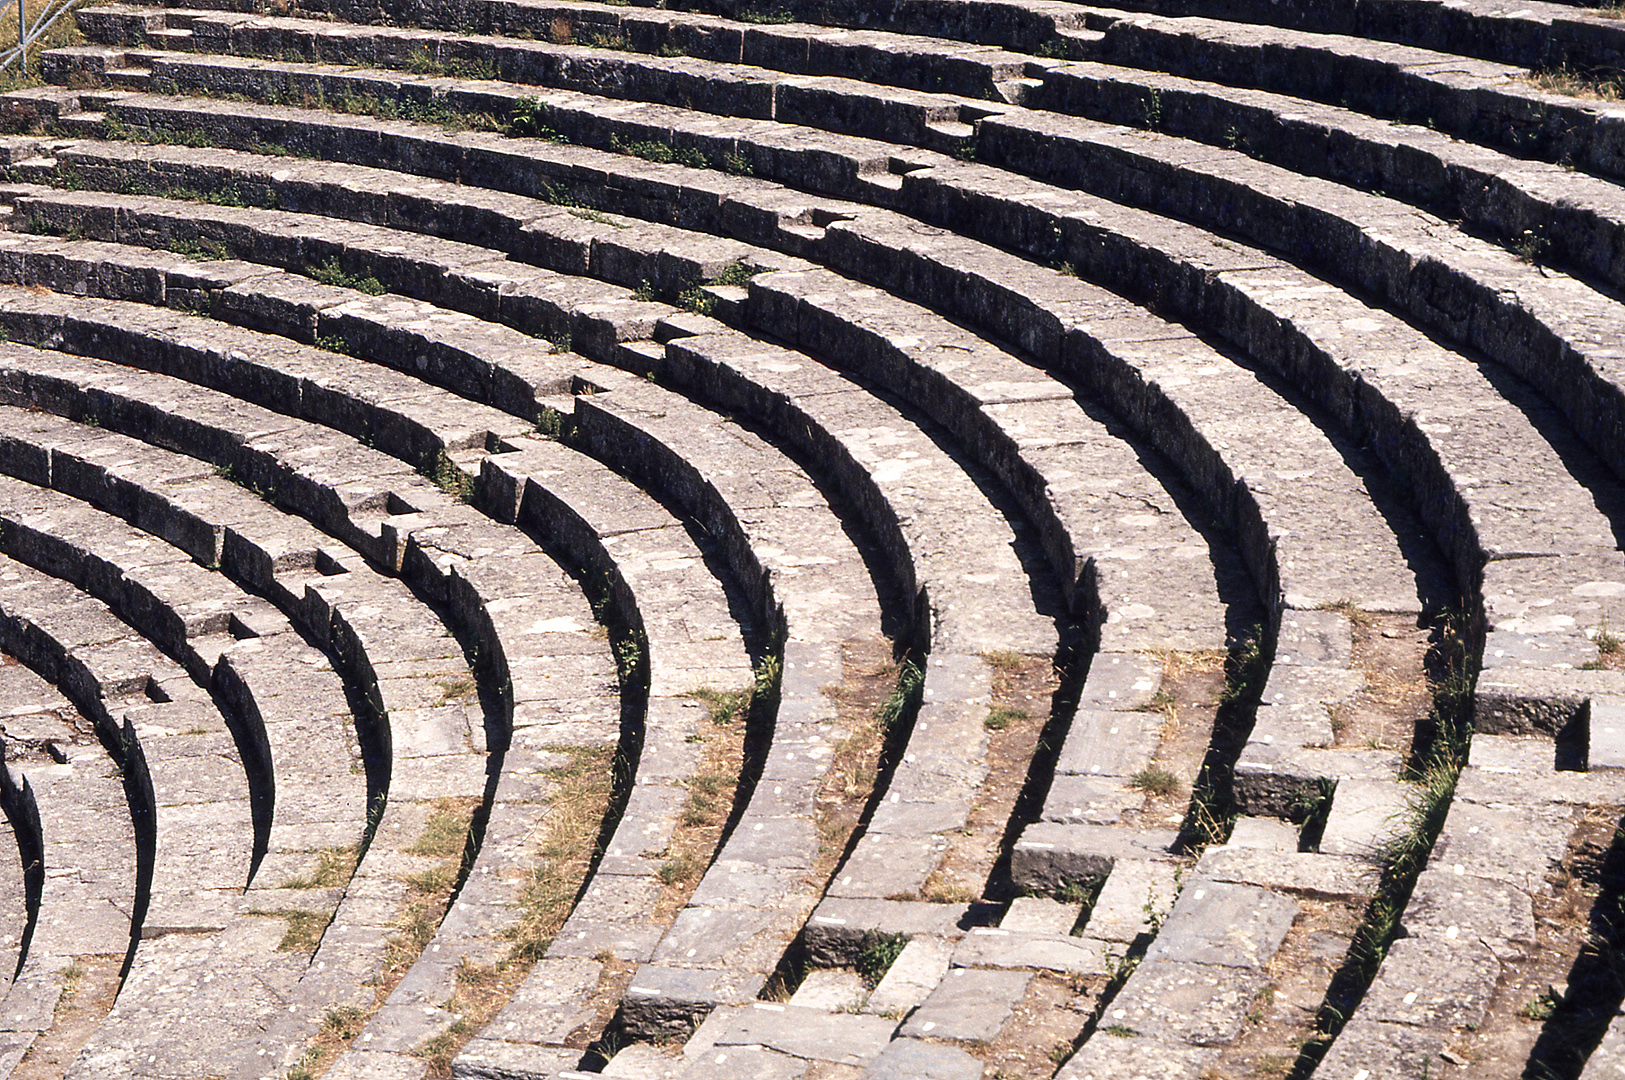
1048 856
915 1059
916 972
835 932
1439 983
85 828
809 1033
1136 892
1177 1002
1232 925
1475 99
1365 815
999 948
1134 1058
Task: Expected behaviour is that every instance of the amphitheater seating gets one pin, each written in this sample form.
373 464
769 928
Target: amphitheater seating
924 539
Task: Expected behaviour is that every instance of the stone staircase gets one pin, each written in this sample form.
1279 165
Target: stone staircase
934 539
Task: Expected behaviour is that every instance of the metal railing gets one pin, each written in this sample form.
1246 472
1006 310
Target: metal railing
47 13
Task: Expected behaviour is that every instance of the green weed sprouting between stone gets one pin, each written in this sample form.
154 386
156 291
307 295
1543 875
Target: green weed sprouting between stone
877 953
904 699
331 273
451 479
1155 780
660 153
1404 854
999 717
529 119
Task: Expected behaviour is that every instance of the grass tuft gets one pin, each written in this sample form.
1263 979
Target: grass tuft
1155 780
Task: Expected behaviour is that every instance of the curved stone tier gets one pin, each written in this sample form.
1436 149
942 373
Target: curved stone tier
522 432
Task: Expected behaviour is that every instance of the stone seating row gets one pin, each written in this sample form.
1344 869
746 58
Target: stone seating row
184 792
1483 101
1429 84
1533 35
1345 146
987 642
476 781
933 64
1473 908
376 614
89 550
66 794
1388 770
611 395
1542 34
1552 315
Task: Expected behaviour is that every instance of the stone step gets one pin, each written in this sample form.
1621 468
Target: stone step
1566 229
922 63
1483 101
1540 34
78 817
192 831
359 594
1471 915
1515 200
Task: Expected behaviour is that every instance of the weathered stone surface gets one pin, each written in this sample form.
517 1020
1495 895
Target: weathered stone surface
989 947
1365 814
1301 872
912 1059
968 1005
1234 925
1198 1004
912 976
1048 857
1040 915
1136 892
810 1033
1385 1049
1441 983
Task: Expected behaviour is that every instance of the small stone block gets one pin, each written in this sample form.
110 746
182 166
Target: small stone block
1308 873
988 947
1108 1056
1230 925
1200 1004
1040 915
968 1005
1263 834
1136 889
1607 732
848 1039
830 989
1289 685
1109 743
1389 1051
912 976
488 1059
1314 637
743 1063
1447 905
1433 982
1121 681
1089 800
911 1059
1365 814
1049 857
882 866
